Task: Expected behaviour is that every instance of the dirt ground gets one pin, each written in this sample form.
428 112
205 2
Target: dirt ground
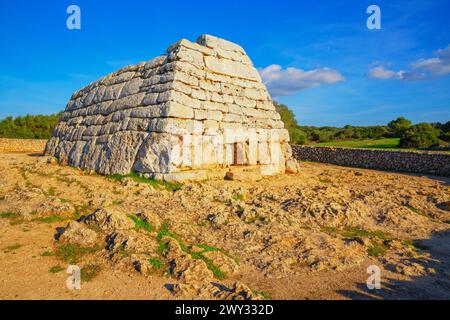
311 235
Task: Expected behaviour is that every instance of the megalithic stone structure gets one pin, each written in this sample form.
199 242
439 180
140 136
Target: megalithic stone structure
200 107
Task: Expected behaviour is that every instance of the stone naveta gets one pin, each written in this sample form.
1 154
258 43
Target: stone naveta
189 114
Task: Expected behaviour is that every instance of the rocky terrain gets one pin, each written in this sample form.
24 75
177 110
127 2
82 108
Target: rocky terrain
309 235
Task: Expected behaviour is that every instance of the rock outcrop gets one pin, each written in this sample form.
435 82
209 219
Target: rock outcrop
200 106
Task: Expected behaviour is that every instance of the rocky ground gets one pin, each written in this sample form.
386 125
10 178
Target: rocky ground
310 235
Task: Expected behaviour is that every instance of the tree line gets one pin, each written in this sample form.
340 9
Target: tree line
421 135
29 126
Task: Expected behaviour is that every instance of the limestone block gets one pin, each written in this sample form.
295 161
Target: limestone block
245 102
265 105
210 86
156 62
234 108
127 102
254 94
231 117
99 95
177 127
199 94
173 109
151 98
209 105
131 87
208 115
113 92
197 154
231 55
214 42
186 78
228 154
217 141
184 99
187 55
209 156
231 68
252 146
191 45
263 153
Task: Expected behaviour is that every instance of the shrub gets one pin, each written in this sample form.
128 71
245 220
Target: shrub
422 135
399 126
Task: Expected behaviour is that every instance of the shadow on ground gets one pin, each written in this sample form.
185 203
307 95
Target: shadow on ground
430 286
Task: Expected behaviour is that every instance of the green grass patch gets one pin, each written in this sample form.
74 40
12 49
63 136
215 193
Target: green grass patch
56 269
158 184
50 192
51 219
141 224
207 248
388 143
80 209
47 254
351 232
377 250
72 253
90 271
8 215
239 197
417 211
156 263
164 231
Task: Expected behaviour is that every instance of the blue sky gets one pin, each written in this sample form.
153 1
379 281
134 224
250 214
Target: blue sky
330 69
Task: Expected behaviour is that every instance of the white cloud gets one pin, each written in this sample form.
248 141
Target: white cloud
420 70
438 66
285 82
380 72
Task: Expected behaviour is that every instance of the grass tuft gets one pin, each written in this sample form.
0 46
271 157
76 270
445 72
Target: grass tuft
11 248
56 269
154 183
89 272
377 250
164 231
351 232
51 219
8 215
156 263
141 224
72 253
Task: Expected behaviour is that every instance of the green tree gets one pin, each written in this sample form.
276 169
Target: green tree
29 126
290 123
399 126
422 135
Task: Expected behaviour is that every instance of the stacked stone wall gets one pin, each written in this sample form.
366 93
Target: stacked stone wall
435 163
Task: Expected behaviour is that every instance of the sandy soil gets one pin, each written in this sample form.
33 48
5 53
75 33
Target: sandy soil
306 236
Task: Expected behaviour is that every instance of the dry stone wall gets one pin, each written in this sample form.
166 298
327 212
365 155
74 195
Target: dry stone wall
407 161
199 106
22 145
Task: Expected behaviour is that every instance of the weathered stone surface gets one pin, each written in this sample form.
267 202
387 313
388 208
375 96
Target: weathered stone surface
201 106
